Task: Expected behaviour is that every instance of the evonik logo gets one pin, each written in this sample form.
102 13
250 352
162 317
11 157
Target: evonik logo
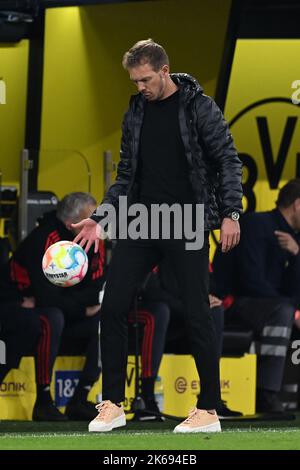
13 387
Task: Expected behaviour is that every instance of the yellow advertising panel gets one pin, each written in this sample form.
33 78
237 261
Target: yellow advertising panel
18 391
13 94
176 389
263 111
181 383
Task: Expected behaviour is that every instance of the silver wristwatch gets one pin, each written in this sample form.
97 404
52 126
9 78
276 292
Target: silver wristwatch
234 215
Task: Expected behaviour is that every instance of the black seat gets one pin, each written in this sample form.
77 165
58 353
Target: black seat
236 341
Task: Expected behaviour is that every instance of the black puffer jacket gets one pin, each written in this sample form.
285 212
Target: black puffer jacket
214 167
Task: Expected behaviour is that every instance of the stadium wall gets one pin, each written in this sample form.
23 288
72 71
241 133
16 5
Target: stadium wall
13 73
86 91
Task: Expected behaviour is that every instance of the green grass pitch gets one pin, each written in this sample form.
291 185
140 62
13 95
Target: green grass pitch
243 435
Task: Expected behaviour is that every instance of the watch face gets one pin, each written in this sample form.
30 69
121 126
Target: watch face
235 216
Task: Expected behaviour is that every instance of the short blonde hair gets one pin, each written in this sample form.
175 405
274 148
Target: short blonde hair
145 52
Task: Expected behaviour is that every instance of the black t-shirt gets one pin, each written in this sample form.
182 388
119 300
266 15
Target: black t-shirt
163 167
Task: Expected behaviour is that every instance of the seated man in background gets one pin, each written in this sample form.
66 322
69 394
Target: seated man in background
263 275
72 310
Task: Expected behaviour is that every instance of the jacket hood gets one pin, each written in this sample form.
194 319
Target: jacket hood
187 82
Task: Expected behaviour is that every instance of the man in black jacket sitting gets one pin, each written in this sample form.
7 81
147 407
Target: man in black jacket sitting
263 274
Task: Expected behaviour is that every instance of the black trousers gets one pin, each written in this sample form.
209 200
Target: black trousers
59 337
43 331
29 330
154 318
271 320
79 336
19 332
176 341
131 261
85 332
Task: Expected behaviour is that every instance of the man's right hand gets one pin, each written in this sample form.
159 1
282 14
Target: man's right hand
91 311
287 242
89 233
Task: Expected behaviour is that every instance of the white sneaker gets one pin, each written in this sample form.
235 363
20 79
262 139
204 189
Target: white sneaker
110 417
199 421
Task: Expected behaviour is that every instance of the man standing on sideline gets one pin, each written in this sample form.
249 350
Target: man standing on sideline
176 148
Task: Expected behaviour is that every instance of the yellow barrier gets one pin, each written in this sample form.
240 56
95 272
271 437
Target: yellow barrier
181 383
178 379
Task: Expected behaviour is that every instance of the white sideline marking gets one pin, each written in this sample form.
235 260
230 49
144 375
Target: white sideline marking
26 435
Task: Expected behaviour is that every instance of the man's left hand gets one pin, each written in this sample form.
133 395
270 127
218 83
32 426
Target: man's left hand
287 242
230 234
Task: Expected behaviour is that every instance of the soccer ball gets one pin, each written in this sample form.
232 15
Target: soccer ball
65 263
